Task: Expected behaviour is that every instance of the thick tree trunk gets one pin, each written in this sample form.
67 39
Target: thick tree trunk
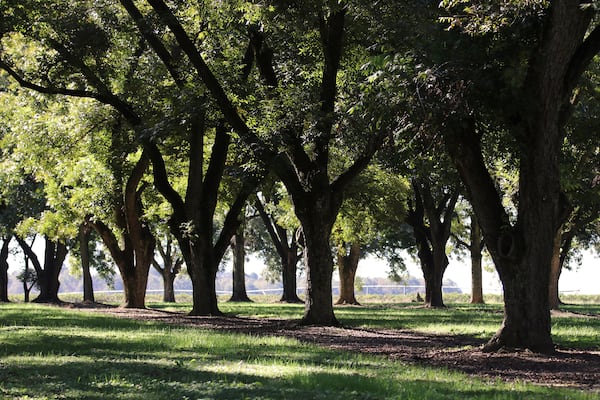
239 261
84 248
434 293
431 238
203 272
4 270
522 252
135 282
48 282
526 314
316 225
347 266
476 259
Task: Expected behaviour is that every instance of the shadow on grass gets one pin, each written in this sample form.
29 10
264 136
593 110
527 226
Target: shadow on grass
48 352
147 379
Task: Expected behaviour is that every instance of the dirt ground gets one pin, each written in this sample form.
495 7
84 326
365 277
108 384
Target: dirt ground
566 368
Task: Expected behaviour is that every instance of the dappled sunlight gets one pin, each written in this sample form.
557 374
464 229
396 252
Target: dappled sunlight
89 356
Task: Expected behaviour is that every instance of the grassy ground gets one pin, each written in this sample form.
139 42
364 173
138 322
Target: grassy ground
54 353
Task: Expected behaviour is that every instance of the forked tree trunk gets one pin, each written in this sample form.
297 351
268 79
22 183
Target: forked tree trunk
4 270
171 267
287 248
347 263
431 238
135 282
239 261
133 249
54 257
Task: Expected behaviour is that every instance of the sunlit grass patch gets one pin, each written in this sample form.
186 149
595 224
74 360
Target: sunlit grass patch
53 353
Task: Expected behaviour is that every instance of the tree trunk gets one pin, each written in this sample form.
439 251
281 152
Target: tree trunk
287 250
4 270
26 288
48 282
289 264
522 252
204 292
316 223
84 248
431 238
347 266
168 286
239 260
555 271
476 258
171 267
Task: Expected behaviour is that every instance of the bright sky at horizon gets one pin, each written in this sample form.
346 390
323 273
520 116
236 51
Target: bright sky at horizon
583 280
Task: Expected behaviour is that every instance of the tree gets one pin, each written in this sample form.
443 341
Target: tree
474 246
579 177
431 220
537 103
4 253
285 236
79 49
375 205
238 249
47 274
171 265
132 243
303 162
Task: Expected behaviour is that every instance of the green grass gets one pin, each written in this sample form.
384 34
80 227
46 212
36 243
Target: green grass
54 353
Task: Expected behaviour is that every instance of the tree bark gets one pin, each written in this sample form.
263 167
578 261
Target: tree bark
289 263
239 261
555 271
317 218
54 257
4 269
84 248
134 252
347 262
476 259
522 251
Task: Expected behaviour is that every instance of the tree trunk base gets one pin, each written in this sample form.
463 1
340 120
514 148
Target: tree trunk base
291 300
134 306
504 340
329 322
240 299
200 313
345 302
47 300
435 305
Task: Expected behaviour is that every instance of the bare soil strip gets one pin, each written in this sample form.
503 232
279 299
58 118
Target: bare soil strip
566 368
